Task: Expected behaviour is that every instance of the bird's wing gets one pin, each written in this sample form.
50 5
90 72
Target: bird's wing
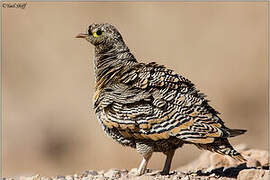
152 102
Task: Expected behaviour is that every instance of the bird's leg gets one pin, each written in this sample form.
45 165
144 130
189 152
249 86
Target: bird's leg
146 151
143 165
167 165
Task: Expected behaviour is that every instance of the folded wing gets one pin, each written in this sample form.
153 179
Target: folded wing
149 101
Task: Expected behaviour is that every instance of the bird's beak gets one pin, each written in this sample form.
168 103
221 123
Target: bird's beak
81 35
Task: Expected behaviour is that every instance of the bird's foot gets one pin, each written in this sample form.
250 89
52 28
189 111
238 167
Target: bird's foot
146 171
163 173
135 172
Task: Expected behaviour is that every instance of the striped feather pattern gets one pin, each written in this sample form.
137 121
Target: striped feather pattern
149 101
150 106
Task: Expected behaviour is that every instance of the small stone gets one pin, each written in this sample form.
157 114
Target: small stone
90 172
60 177
253 174
100 178
113 173
133 171
253 163
86 178
259 155
218 161
36 177
69 178
26 178
124 170
176 178
76 177
123 177
101 172
185 178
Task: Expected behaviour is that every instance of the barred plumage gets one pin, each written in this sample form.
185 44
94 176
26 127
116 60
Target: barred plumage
148 106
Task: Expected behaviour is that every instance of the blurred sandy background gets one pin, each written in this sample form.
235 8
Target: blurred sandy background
49 126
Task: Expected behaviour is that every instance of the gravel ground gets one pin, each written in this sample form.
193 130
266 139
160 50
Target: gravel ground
209 166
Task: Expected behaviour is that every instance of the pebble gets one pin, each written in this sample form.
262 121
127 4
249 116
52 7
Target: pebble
113 173
253 163
69 178
91 172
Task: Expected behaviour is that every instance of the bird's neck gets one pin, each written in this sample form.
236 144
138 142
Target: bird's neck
116 50
111 60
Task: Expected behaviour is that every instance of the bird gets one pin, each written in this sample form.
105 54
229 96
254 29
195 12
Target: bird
149 107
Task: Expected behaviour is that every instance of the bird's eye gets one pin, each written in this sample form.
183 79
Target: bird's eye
98 33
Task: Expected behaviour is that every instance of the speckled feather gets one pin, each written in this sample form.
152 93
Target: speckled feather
149 104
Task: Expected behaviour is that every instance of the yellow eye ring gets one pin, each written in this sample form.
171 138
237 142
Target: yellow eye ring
98 33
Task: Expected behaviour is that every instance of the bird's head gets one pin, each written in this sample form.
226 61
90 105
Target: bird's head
101 35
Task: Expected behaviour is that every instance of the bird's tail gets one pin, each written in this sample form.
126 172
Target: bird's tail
223 147
235 132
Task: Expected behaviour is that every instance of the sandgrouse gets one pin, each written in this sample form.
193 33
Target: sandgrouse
148 106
